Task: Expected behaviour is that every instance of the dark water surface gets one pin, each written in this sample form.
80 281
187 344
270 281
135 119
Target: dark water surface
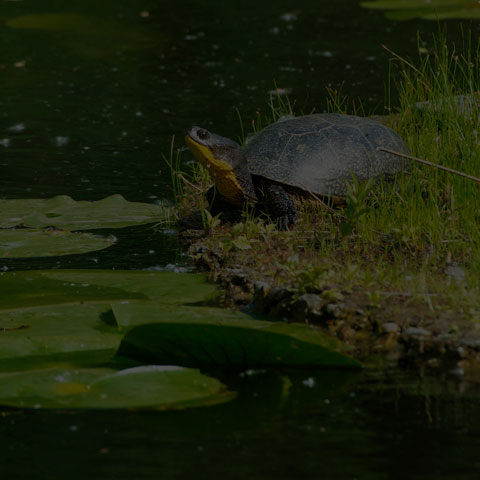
331 425
91 94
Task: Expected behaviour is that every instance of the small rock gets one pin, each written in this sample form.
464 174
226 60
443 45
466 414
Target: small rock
261 288
271 300
457 371
308 308
390 327
461 352
471 343
236 276
311 302
416 332
335 310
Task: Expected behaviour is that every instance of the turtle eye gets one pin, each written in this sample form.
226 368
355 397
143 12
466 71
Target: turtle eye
202 134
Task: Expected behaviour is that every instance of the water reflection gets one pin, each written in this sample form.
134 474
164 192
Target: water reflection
345 426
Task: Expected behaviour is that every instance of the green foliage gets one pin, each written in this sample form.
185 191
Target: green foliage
149 386
190 184
278 106
440 111
244 344
356 204
173 162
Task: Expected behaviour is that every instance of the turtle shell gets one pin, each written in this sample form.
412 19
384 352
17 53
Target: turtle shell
317 153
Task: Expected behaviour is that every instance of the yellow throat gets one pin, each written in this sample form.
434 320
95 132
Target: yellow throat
221 172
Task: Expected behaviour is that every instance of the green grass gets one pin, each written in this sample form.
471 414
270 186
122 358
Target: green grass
391 240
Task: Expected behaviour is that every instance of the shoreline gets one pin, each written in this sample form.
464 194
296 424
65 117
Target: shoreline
395 329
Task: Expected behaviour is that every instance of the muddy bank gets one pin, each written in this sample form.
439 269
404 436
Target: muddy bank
394 329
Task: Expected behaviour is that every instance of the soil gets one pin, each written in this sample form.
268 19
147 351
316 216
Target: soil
394 330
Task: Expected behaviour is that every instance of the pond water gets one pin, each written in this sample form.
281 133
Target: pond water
92 93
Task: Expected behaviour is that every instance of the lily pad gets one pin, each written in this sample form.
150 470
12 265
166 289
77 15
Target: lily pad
55 315
65 213
431 10
65 315
31 335
167 288
99 388
50 288
242 344
133 314
86 35
26 242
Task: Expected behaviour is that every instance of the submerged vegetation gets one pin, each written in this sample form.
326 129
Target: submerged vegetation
407 255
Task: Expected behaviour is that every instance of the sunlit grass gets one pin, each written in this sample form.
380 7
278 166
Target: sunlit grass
387 239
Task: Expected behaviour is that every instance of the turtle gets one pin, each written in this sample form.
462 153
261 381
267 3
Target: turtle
309 156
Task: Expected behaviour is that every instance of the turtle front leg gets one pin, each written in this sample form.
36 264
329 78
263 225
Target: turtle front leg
280 205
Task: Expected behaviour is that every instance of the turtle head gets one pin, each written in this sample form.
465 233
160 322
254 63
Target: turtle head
226 163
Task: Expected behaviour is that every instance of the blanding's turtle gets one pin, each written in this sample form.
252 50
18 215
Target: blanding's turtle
295 158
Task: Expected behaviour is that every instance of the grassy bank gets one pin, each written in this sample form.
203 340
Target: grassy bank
409 250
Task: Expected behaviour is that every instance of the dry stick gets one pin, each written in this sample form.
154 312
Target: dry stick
430 164
181 177
321 202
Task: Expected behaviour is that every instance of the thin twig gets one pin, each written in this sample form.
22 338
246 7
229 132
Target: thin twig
181 177
321 202
8 329
430 164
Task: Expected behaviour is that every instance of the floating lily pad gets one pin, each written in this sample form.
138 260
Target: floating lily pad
87 35
248 343
38 333
141 387
163 287
132 314
431 10
26 242
65 213
50 288
65 315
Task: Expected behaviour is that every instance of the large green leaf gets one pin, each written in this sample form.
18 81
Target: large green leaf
431 10
86 35
132 314
66 313
61 315
26 242
163 287
64 212
210 342
64 316
413 4
44 331
52 287
141 387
